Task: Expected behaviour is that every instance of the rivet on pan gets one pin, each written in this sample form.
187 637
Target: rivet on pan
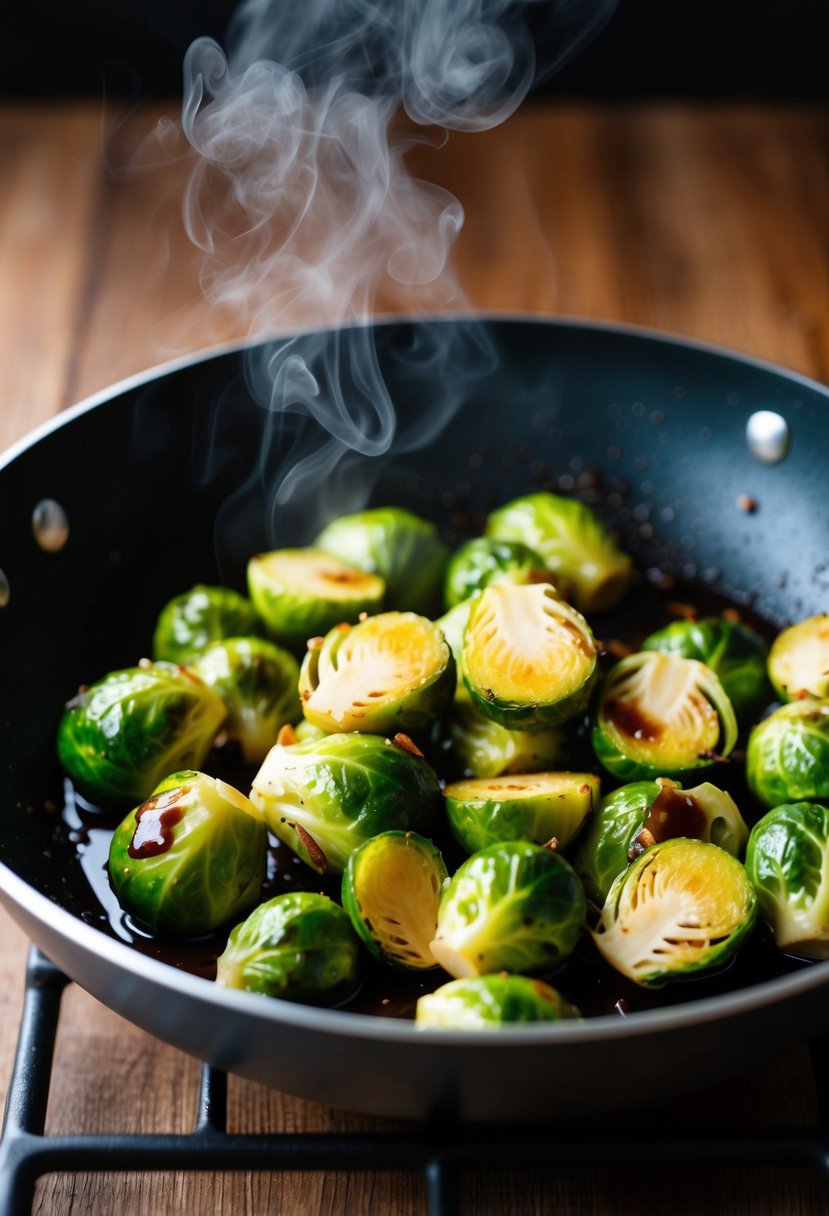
50 525
5 590
768 436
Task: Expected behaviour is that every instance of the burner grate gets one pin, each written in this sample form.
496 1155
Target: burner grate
440 1151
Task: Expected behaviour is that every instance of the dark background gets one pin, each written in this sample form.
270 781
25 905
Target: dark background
666 48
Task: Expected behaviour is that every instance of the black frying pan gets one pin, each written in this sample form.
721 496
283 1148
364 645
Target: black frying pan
171 479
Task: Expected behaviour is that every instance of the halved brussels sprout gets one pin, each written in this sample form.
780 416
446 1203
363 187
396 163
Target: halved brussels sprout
788 865
512 907
190 858
661 716
392 672
735 654
540 807
572 542
488 1002
402 548
470 745
486 560
635 816
257 681
787 755
325 797
189 622
122 735
299 947
301 593
799 659
391 891
684 906
529 659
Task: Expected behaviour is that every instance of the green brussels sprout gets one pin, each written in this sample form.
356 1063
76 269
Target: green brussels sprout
301 593
402 548
512 907
661 716
540 807
299 947
190 858
306 731
489 1002
471 745
572 542
453 626
257 681
189 622
119 738
787 755
391 891
529 659
325 797
392 672
484 561
787 862
635 816
735 654
799 660
682 907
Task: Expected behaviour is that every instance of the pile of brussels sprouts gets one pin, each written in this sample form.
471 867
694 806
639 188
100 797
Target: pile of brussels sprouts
400 707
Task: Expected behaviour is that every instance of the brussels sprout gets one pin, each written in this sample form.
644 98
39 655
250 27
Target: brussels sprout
325 797
787 756
484 561
684 906
300 593
299 947
529 659
453 626
787 862
306 731
512 907
643 813
471 745
391 891
735 654
488 1002
660 715
392 672
572 543
799 659
402 548
540 807
258 683
118 738
189 622
190 858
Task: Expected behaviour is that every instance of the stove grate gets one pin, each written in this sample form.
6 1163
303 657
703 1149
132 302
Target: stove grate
440 1151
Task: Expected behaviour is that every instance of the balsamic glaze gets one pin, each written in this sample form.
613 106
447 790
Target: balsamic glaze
585 979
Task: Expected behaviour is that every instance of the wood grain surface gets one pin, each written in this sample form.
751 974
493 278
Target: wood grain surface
711 222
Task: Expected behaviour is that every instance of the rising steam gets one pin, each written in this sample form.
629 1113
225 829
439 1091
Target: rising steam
302 205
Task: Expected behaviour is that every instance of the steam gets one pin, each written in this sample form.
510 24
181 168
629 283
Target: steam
306 215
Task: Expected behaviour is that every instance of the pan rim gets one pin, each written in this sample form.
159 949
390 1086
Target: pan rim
159 371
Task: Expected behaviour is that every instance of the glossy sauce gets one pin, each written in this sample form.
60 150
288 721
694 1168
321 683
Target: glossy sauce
154 823
674 814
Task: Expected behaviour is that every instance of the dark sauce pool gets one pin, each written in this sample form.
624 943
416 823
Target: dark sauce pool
585 979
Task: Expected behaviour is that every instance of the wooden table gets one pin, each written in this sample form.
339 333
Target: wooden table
708 221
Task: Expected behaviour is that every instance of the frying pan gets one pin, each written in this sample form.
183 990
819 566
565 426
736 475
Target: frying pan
178 476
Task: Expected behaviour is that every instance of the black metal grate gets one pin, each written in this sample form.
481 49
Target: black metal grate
441 1152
